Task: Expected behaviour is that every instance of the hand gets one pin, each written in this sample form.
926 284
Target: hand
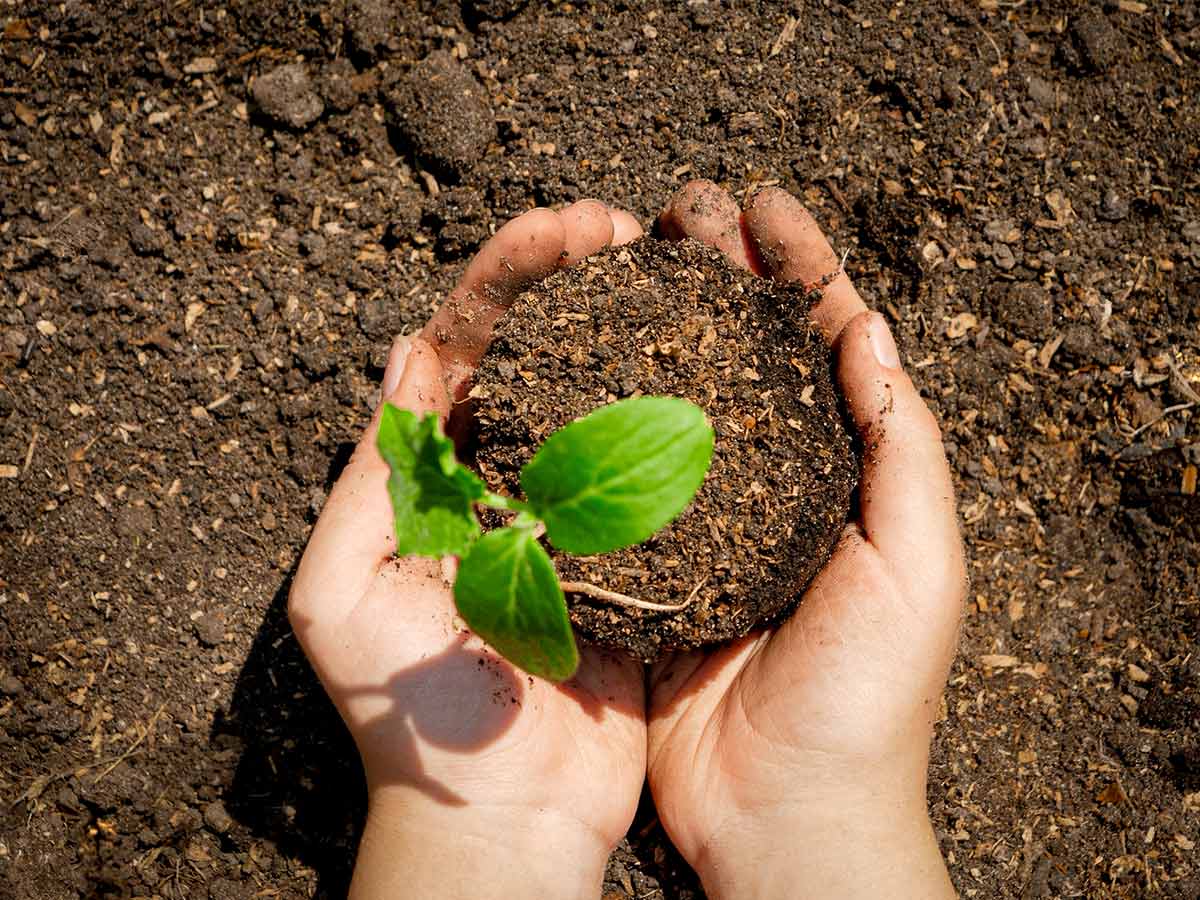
483 782
793 762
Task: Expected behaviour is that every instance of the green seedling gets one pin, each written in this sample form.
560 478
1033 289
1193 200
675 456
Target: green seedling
608 480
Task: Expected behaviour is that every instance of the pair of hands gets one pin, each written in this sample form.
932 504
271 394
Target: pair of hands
791 762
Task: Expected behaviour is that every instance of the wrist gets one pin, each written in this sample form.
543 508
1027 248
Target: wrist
849 846
414 846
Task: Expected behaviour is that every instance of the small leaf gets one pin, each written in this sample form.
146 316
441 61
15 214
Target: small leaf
509 595
431 492
616 476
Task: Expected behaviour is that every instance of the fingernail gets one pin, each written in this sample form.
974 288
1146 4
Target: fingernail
397 357
882 344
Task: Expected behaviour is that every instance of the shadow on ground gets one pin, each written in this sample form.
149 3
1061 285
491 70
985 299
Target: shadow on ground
298 781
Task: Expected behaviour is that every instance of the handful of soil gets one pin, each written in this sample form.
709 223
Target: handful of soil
678 319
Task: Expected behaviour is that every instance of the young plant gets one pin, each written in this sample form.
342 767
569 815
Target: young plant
605 481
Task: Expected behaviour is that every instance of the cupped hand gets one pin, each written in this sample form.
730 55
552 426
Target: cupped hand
793 762
479 776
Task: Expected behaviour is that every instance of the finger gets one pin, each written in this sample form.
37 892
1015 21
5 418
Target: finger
906 494
355 532
525 250
625 227
587 227
703 211
791 247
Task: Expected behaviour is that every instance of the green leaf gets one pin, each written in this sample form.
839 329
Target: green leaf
509 595
431 492
616 476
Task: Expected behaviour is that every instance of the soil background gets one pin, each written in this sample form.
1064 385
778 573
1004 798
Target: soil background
206 248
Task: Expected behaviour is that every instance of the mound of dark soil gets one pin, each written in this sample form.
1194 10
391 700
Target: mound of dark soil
678 320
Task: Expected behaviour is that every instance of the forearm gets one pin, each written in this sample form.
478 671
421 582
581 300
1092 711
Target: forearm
416 850
840 854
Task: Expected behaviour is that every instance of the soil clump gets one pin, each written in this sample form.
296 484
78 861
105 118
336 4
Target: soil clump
679 320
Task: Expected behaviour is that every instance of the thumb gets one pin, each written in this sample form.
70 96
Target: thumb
906 494
355 532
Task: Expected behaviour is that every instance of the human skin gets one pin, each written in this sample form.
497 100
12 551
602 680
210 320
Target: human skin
481 781
792 762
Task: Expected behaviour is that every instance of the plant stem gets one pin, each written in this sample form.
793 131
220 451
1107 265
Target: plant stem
499 501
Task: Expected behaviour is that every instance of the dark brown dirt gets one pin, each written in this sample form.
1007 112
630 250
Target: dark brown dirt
678 320
442 112
194 307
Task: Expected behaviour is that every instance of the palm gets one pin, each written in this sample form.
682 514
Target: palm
432 708
851 677
438 717
846 690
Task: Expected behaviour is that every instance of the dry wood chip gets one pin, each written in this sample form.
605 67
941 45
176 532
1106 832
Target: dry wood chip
1060 205
1047 352
786 36
25 114
1020 383
961 324
1188 486
999 661
117 146
1169 50
194 311
201 65
18 30
9 471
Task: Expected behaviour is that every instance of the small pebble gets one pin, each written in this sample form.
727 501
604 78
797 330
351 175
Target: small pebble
286 96
1113 208
209 630
217 817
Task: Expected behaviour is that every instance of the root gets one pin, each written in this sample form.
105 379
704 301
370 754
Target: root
599 593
